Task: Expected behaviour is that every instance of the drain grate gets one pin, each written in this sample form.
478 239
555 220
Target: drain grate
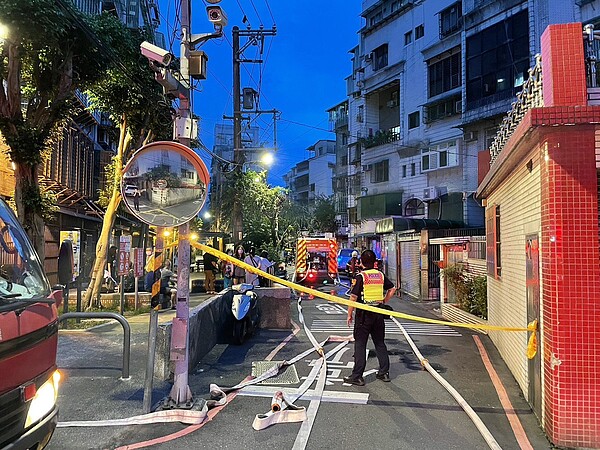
288 375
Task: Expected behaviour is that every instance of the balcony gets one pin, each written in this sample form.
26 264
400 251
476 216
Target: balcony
382 137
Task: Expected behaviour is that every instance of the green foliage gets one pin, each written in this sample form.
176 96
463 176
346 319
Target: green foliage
163 173
128 88
470 291
324 215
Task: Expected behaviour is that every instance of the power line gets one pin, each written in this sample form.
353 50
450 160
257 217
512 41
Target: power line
270 12
256 11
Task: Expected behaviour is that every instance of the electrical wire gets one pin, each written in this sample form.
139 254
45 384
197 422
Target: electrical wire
257 14
270 12
245 16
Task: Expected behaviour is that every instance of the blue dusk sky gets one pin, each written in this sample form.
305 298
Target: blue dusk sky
303 74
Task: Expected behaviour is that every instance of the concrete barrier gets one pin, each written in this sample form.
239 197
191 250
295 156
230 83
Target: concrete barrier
211 323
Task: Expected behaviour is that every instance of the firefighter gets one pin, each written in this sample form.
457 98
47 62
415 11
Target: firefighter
353 266
372 288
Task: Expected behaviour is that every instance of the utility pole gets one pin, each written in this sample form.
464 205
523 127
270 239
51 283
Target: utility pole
178 86
238 151
180 392
255 37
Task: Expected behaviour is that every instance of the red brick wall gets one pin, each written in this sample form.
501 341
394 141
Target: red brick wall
571 287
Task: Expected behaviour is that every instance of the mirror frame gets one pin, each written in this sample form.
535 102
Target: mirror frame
178 148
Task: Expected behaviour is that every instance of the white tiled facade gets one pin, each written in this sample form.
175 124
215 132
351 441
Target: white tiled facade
520 215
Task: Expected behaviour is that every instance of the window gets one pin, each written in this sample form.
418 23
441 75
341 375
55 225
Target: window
380 172
493 250
408 38
419 32
413 170
344 139
450 20
444 75
380 57
497 60
312 187
404 171
414 207
439 156
395 6
413 120
477 250
442 109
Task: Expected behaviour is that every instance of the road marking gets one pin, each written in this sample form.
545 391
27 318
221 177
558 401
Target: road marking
358 398
332 326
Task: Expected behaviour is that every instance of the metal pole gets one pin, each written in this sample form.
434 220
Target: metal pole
122 295
181 393
137 294
152 329
238 151
66 302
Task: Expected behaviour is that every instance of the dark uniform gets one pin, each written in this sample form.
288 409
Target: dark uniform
370 288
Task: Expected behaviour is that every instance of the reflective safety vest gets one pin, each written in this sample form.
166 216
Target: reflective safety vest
372 285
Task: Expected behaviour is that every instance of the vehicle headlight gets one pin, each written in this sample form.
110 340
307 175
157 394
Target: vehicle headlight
44 400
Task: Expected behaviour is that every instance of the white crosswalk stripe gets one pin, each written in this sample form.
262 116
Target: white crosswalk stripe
332 326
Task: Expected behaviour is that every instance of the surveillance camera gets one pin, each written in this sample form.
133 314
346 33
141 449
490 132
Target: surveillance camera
156 54
216 15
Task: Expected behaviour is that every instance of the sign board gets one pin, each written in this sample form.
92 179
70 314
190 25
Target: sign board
124 251
75 238
138 262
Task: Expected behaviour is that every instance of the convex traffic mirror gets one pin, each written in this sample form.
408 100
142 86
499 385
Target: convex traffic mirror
165 184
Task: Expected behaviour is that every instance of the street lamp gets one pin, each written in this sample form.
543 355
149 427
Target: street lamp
267 158
207 215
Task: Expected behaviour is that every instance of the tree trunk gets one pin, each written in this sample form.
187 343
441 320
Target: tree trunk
26 187
97 275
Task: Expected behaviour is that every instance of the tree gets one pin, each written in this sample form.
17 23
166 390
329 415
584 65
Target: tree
141 113
323 214
266 223
46 56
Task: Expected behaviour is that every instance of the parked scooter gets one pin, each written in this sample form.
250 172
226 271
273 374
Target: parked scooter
244 307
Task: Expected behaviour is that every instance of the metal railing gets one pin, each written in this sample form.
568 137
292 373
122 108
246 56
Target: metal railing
530 97
109 315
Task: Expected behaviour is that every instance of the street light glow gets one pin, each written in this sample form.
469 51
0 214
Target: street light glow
207 215
166 233
3 32
194 237
267 158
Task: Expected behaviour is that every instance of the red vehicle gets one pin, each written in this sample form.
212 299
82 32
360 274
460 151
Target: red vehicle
28 342
316 261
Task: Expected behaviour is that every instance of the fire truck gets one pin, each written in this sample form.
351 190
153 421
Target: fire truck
316 261
28 341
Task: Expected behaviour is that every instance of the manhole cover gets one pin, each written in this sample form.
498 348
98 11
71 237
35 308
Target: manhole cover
287 375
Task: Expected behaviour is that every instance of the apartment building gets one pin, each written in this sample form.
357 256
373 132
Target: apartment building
338 122
431 80
312 178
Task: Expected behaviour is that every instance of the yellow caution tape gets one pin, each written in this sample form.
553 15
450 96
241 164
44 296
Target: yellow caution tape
531 327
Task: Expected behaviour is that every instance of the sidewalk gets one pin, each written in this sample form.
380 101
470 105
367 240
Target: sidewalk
91 389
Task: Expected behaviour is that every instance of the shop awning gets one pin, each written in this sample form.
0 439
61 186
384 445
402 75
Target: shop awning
392 224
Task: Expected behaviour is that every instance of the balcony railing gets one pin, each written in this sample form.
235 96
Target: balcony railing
382 137
530 97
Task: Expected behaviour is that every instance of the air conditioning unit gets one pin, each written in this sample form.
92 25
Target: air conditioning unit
367 167
470 136
392 103
430 193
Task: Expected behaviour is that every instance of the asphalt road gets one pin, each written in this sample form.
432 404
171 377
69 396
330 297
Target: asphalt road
411 412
